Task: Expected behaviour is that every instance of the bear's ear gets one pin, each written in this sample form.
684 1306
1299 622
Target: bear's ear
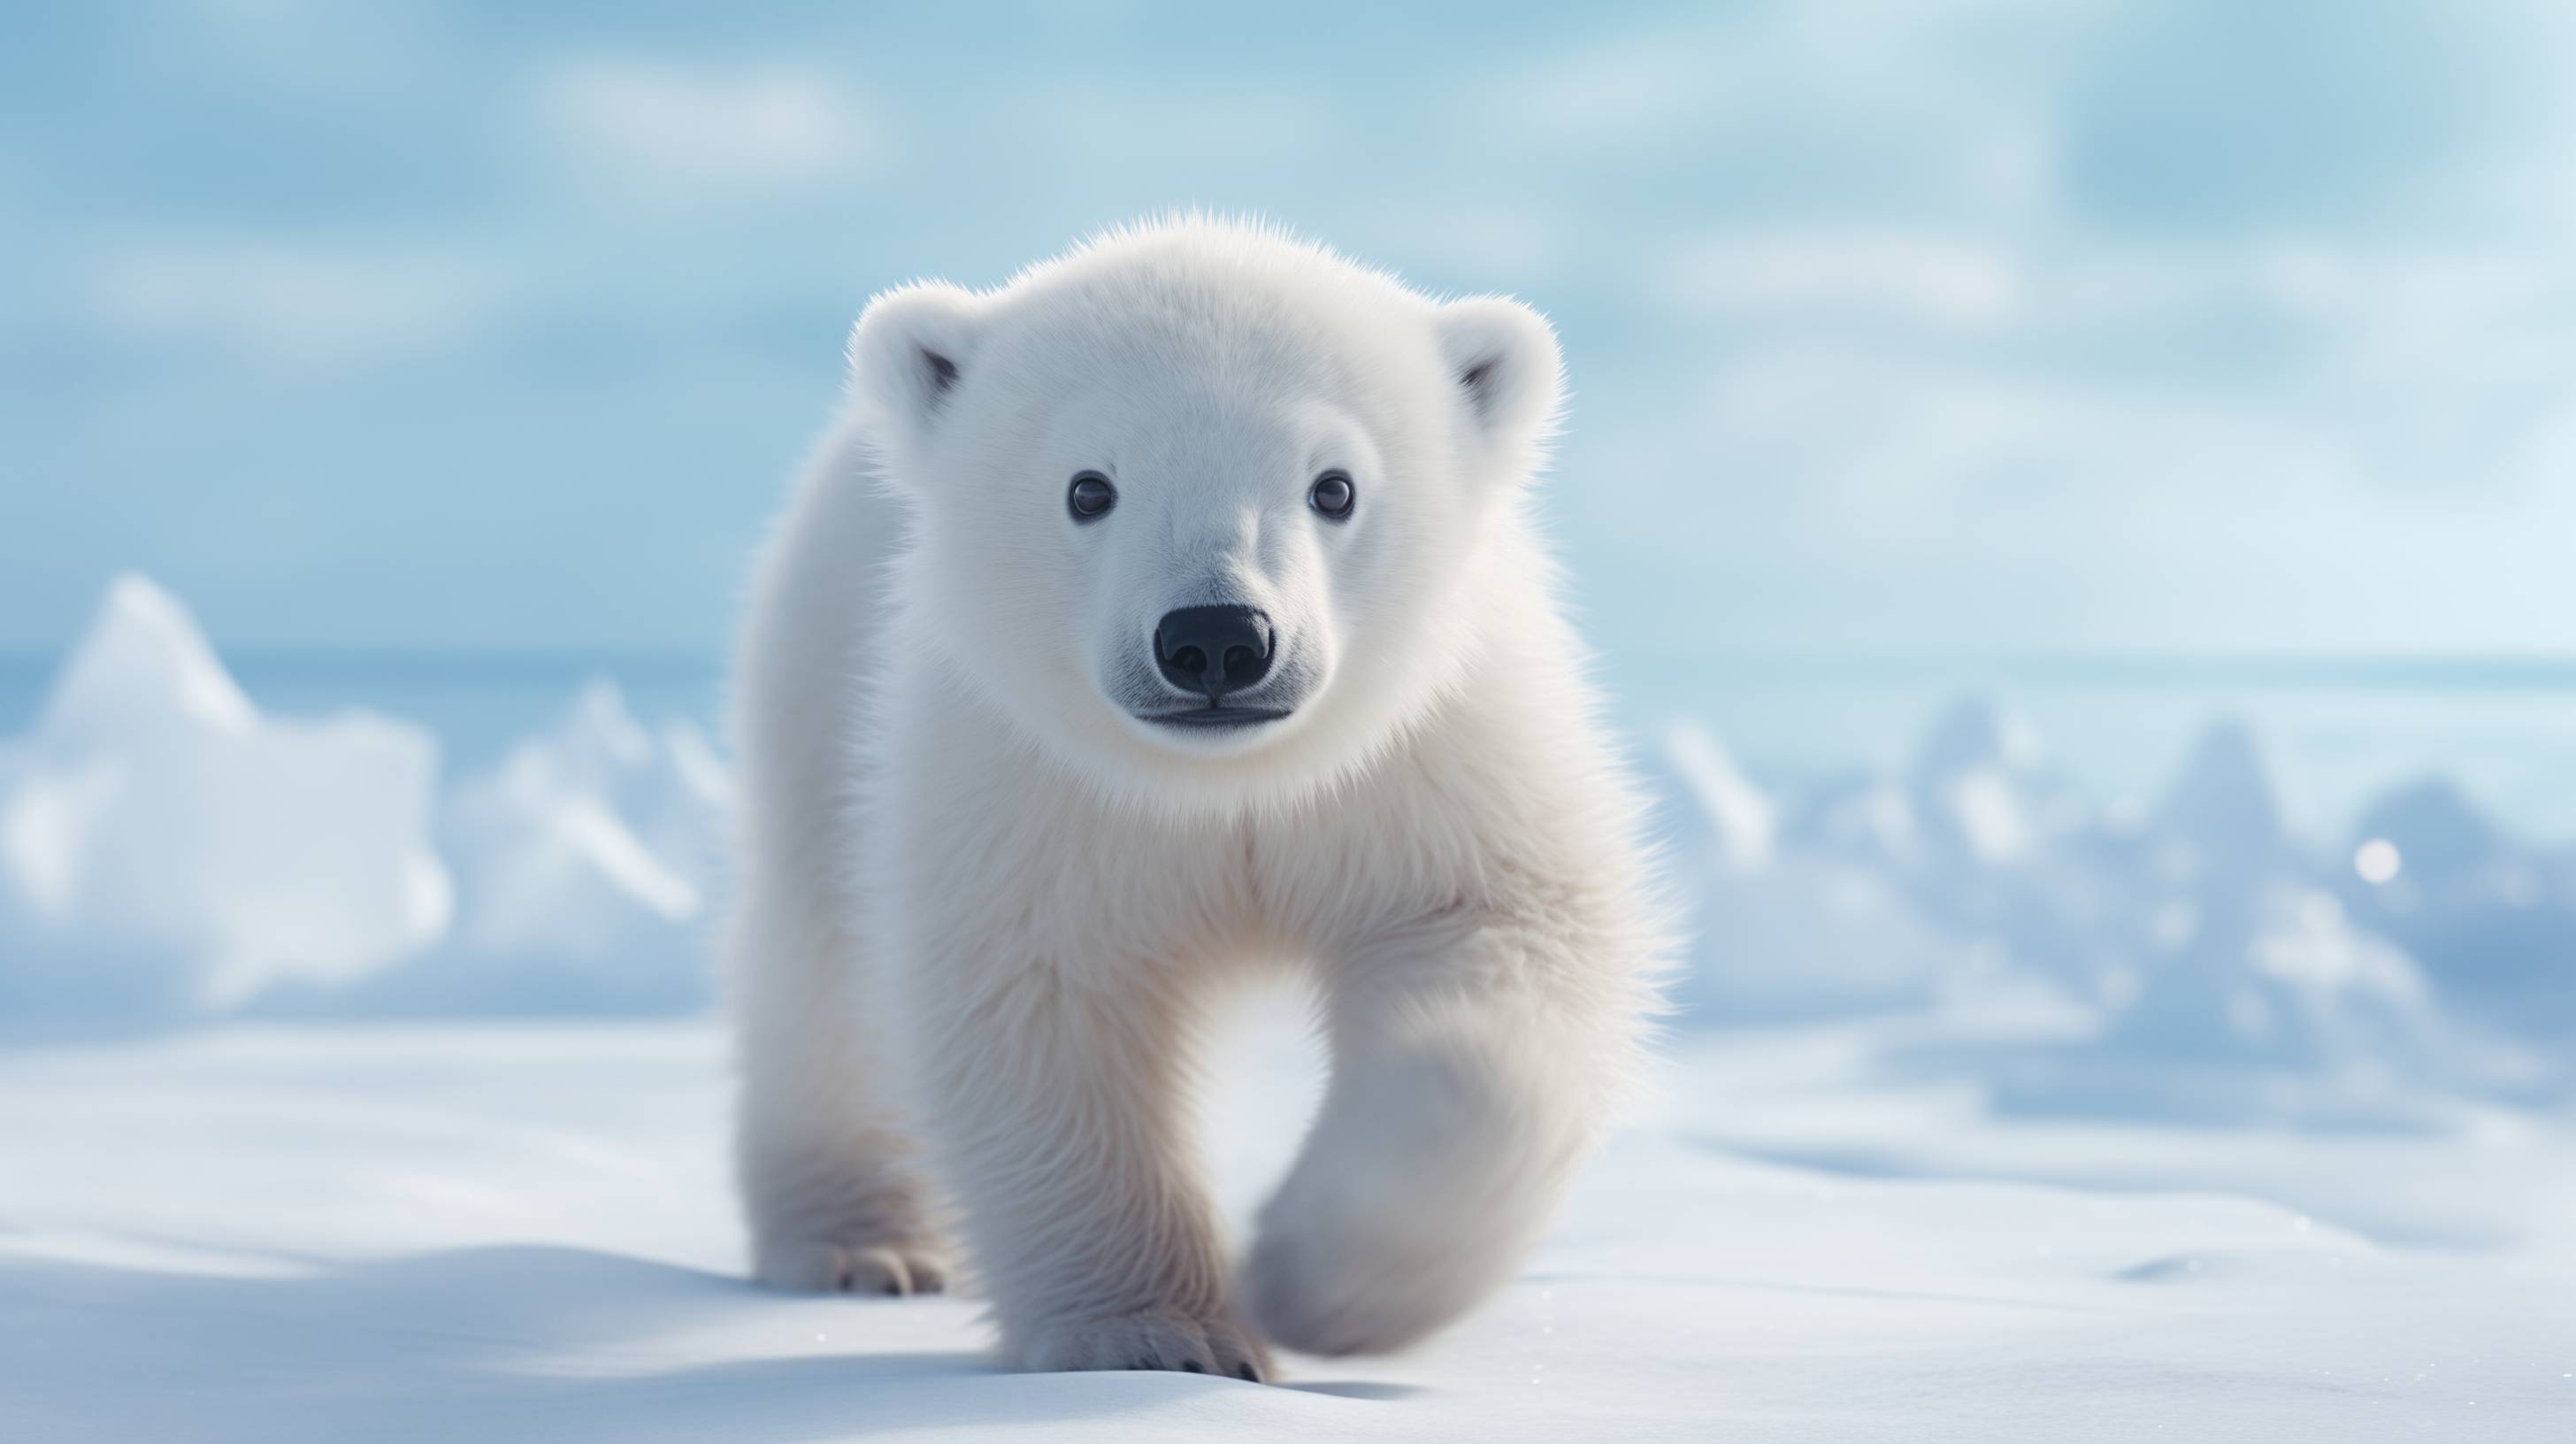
908 352
1504 359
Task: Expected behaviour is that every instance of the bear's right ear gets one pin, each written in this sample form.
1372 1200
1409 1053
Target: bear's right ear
910 349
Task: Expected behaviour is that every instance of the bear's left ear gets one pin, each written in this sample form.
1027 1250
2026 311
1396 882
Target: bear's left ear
1503 357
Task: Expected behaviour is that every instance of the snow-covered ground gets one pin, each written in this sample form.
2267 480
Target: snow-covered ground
1992 1110
506 1231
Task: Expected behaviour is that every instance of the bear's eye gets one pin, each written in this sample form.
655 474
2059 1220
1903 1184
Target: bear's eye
1332 495
1090 497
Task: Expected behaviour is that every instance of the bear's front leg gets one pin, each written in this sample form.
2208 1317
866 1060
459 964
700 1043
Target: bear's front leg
1054 1095
1474 1061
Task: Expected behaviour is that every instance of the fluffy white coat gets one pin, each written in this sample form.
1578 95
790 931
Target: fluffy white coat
985 901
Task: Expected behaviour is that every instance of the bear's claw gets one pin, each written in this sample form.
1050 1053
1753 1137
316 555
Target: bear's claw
808 1267
1172 1342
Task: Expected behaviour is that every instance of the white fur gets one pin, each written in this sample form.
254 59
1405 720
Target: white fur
973 881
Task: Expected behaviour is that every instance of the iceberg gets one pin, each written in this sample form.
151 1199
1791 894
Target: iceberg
2491 918
166 849
2191 959
1774 935
586 864
1721 815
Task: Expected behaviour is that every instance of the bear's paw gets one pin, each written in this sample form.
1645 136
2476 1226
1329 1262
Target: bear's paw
808 1266
1167 1340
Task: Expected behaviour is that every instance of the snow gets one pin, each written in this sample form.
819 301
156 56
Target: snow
1990 1110
512 1231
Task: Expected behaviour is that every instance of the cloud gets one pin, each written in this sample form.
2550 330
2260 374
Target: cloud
1637 87
296 304
1921 277
1940 106
1471 240
2206 117
662 127
1886 448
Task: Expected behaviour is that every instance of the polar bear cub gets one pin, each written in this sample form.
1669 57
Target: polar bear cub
1170 614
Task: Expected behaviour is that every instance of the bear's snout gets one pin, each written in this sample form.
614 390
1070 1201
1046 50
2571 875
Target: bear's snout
1216 650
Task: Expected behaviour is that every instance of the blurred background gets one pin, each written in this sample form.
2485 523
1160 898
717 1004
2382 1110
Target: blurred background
2074 499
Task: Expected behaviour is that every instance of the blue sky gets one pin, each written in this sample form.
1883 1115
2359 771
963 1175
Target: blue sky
1984 324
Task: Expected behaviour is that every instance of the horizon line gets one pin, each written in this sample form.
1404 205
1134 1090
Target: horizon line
2062 665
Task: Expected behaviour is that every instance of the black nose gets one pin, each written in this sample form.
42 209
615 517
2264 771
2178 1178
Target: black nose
1213 650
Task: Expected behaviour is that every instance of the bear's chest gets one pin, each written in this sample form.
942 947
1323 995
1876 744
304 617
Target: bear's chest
1056 871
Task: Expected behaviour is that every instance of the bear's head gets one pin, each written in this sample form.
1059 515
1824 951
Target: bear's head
1210 514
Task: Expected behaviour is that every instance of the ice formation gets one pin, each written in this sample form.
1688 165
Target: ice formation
2217 967
587 865
167 850
164 847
